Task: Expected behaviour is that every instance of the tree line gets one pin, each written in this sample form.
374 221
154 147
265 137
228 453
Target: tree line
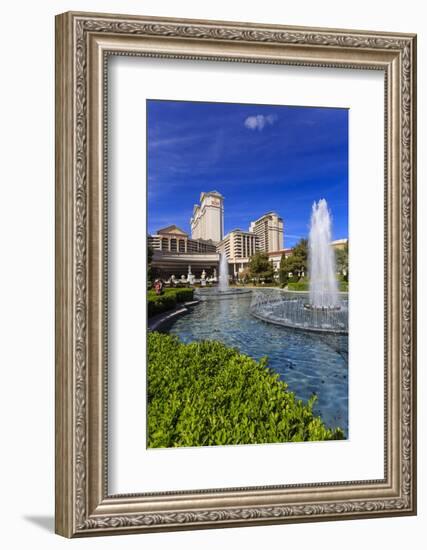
293 267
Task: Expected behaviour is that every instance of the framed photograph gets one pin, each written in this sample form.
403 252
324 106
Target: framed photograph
235 274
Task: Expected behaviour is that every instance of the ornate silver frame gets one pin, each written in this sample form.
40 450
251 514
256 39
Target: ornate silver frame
83 42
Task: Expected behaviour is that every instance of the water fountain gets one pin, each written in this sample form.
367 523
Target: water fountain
223 290
323 308
323 281
223 274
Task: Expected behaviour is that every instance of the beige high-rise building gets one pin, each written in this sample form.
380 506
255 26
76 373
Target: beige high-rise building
238 246
207 222
269 229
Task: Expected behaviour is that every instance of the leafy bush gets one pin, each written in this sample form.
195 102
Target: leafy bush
168 300
159 304
304 285
205 393
299 286
180 284
181 294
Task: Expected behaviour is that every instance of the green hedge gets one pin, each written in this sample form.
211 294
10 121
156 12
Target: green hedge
300 286
168 300
205 393
181 294
305 285
159 304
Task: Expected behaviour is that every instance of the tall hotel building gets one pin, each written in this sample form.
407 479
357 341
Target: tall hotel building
269 230
238 246
207 222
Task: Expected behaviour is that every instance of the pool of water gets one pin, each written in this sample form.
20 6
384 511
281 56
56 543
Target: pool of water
309 363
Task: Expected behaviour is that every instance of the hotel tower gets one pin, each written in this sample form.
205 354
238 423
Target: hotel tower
269 229
207 222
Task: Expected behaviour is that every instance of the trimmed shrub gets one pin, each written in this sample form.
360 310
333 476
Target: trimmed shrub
181 294
299 286
206 393
304 285
158 303
180 284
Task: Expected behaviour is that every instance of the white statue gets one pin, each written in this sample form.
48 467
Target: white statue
190 276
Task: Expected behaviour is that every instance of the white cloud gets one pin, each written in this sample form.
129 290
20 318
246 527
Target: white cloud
258 122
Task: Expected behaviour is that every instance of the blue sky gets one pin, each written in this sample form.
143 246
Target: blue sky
260 157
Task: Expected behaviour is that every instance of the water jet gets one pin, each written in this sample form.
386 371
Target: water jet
323 308
223 289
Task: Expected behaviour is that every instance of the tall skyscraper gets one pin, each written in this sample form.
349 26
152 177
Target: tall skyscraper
269 229
207 222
